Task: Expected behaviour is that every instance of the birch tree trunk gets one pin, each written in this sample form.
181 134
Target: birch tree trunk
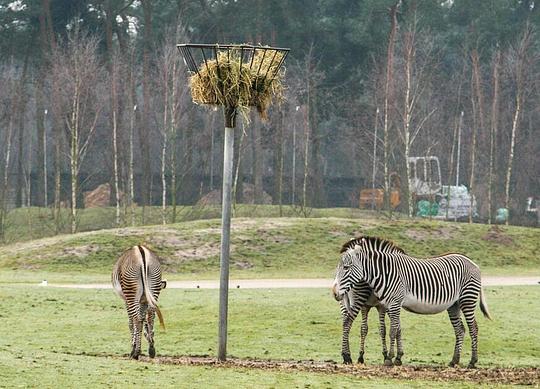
113 73
519 66
5 189
131 166
132 111
144 130
409 58
164 147
515 122
388 82
174 113
57 176
493 130
478 110
257 159
74 154
306 156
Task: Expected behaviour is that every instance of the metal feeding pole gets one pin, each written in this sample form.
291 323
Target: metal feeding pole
211 68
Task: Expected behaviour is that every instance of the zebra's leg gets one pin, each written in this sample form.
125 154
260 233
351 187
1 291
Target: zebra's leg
394 313
454 313
149 331
382 330
468 307
131 331
345 349
136 327
399 346
363 331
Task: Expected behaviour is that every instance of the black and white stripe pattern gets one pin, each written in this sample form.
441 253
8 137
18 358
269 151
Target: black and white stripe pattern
136 278
361 299
449 282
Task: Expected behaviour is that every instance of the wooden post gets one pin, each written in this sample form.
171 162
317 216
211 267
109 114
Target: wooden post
228 153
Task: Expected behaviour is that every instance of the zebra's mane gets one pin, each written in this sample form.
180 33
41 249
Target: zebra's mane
373 241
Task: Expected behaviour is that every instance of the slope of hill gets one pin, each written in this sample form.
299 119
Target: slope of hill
264 248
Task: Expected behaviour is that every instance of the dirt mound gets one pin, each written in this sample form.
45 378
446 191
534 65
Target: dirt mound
495 234
99 197
520 376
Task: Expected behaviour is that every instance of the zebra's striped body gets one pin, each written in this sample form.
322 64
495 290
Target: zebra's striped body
450 282
361 299
136 278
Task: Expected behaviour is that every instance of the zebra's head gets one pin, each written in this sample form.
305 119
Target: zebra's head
347 273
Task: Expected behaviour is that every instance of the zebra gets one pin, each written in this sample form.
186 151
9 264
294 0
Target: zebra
426 286
363 299
136 278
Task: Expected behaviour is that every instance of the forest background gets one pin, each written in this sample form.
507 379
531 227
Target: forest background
95 92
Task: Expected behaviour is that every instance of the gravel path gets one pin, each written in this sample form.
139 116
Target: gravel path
291 283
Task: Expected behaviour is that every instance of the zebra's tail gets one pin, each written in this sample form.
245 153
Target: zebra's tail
148 293
483 306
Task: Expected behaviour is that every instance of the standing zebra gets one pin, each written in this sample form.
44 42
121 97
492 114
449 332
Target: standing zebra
361 299
449 282
136 278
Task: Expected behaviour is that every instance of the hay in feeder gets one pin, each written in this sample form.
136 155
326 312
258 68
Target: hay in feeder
234 82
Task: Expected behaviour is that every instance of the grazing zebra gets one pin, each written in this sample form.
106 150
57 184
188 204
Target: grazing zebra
426 286
136 278
361 299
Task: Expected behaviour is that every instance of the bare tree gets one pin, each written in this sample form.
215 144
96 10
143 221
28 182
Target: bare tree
144 129
417 62
174 95
388 98
493 128
77 73
9 88
477 99
309 77
519 61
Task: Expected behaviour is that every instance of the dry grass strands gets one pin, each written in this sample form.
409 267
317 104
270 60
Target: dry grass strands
233 81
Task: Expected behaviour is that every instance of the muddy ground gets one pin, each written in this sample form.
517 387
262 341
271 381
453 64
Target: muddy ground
520 376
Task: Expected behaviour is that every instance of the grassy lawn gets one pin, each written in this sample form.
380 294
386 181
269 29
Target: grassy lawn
61 337
264 247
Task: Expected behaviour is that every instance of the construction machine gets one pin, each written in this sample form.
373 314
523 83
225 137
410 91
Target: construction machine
425 185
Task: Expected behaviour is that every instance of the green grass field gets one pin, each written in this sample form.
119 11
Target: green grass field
62 337
68 337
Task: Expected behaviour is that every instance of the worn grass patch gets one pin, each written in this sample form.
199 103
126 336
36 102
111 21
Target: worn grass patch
67 337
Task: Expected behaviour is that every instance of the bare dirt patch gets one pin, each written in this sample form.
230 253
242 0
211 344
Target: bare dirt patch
80 251
496 235
443 233
519 376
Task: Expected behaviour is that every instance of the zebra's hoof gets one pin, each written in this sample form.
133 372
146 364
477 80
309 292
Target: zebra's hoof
151 352
347 359
397 362
361 359
471 365
388 362
134 355
453 363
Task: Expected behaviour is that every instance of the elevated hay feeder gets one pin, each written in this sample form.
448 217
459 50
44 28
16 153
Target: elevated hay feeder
235 76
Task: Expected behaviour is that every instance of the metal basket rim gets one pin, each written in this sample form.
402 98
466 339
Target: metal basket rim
230 46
